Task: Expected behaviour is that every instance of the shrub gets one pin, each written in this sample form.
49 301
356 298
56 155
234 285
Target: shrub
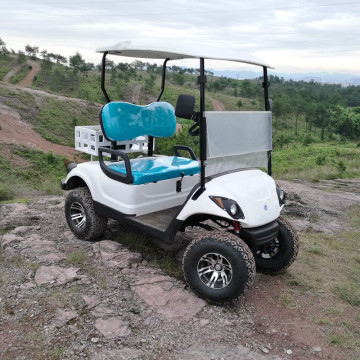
6 192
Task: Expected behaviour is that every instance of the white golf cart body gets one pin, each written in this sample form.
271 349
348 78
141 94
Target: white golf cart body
237 144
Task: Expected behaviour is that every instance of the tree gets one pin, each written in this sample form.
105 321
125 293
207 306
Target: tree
178 79
150 83
78 63
21 57
138 65
31 51
3 48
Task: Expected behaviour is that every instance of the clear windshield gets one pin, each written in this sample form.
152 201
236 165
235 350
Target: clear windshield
237 139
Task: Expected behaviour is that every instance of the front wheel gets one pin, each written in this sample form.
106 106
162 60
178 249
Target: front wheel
218 267
81 217
281 252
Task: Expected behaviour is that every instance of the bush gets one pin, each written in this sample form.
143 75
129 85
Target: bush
6 192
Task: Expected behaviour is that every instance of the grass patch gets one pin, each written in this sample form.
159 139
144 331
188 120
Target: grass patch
43 174
57 118
76 258
23 71
326 274
156 257
349 292
302 162
353 216
6 192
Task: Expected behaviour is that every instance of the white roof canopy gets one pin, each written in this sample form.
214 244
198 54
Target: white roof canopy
176 50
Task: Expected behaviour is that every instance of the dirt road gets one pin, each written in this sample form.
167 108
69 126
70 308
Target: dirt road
15 131
217 105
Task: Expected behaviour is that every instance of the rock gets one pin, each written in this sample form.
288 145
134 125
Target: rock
63 316
204 322
122 354
236 352
55 274
317 349
27 286
113 327
102 311
91 301
112 254
165 295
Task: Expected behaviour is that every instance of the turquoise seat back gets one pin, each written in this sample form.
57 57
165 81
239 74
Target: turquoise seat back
122 121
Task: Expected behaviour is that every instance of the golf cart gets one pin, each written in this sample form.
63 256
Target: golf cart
230 205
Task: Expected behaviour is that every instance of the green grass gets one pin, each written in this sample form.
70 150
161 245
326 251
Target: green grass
76 258
6 192
353 215
317 161
6 64
155 256
57 118
326 275
23 71
43 173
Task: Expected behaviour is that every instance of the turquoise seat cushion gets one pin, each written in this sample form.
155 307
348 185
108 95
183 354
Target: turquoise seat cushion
146 170
124 121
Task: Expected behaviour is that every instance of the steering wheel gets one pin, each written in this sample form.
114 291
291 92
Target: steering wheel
194 130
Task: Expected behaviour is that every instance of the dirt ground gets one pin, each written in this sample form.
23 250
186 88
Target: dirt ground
15 131
62 298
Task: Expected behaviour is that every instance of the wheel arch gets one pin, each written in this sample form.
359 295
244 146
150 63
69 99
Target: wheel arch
75 182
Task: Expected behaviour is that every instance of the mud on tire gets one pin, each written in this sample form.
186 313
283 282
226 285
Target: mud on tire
81 217
218 266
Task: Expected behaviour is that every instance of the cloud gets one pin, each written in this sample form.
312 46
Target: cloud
318 35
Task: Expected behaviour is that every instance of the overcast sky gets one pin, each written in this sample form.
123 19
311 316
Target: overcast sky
292 36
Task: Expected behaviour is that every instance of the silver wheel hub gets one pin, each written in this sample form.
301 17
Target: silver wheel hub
214 270
77 214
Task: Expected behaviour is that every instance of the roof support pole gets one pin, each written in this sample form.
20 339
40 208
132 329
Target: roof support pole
267 108
202 81
103 68
266 88
163 79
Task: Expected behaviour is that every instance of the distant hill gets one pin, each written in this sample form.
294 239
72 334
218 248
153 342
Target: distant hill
320 77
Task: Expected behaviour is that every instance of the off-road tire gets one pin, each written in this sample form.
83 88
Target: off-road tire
279 255
233 252
81 217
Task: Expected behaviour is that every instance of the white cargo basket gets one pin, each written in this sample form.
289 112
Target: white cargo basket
88 139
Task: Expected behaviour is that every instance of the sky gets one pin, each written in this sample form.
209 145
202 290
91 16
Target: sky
292 36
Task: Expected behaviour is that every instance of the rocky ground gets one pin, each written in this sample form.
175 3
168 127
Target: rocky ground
62 298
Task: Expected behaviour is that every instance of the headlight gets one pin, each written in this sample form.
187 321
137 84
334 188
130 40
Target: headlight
281 195
230 206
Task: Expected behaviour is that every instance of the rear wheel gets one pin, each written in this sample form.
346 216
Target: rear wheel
218 267
281 253
81 217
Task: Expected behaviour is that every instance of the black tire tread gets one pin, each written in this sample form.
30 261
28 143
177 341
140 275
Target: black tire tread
236 244
96 224
287 227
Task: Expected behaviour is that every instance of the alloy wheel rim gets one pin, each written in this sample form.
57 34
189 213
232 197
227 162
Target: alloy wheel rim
269 251
215 270
77 215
